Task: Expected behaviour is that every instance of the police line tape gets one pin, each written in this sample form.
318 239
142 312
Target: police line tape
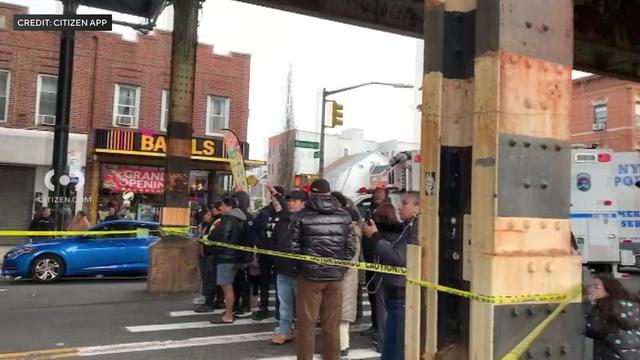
373 267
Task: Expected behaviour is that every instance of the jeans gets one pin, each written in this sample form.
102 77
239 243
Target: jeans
286 288
267 275
393 348
208 275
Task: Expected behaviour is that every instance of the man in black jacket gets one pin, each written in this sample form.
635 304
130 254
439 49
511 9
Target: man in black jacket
394 252
321 229
228 231
265 223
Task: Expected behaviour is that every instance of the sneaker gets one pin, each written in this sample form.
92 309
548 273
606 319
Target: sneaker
260 315
199 300
242 313
279 339
204 308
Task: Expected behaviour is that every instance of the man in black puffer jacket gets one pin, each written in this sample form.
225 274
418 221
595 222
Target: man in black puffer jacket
321 229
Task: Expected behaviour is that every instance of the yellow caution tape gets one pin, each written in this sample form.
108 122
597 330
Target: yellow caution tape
379 268
519 349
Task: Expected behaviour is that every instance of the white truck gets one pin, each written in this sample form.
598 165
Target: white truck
605 208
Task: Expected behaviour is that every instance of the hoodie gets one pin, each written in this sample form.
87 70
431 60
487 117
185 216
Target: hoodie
229 231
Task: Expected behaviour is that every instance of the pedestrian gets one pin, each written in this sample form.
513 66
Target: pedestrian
42 221
393 252
67 216
389 227
266 221
350 286
227 260
79 222
112 214
125 211
285 278
322 229
248 238
613 320
207 261
380 195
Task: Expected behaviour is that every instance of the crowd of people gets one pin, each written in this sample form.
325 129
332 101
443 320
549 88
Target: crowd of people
318 223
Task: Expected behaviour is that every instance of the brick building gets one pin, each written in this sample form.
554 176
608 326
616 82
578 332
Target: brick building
606 112
118 116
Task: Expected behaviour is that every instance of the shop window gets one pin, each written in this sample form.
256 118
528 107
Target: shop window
217 114
46 100
164 110
600 117
637 112
126 106
5 78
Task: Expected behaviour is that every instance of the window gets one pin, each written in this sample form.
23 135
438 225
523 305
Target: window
599 117
637 112
217 114
346 152
46 100
5 78
164 110
126 105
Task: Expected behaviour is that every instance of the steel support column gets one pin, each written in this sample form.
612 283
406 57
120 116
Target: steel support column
446 165
63 109
172 264
520 241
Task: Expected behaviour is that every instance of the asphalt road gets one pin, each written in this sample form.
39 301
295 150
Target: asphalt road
118 319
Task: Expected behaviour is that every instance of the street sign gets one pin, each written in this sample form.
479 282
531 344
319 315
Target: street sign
316 155
306 144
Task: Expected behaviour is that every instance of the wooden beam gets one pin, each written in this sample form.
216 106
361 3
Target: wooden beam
412 306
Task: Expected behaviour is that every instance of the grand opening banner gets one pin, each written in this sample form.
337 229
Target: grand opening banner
139 180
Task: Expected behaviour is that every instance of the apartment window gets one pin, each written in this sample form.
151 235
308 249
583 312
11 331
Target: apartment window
599 117
637 112
126 105
164 110
346 152
5 78
217 114
46 100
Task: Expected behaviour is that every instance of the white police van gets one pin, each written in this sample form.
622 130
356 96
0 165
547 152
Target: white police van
605 208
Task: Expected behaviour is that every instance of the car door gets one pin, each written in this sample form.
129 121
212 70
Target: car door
135 256
95 254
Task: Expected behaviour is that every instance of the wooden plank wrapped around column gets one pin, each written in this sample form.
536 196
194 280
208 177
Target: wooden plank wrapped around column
446 171
172 261
520 241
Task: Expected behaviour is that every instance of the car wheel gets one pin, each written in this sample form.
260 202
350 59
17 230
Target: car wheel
47 268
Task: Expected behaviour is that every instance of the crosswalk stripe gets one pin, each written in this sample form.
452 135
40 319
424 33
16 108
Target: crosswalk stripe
356 354
183 313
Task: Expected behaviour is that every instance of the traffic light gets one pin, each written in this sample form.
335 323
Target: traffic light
336 114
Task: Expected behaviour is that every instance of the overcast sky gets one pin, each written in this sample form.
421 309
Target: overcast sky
322 54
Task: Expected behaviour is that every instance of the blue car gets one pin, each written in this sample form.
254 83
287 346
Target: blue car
85 255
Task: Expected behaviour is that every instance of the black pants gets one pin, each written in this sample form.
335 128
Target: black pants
267 277
371 286
208 275
242 289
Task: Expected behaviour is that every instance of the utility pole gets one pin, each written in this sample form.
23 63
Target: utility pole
322 126
172 266
63 107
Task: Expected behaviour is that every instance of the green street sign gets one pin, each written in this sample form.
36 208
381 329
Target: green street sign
316 155
306 144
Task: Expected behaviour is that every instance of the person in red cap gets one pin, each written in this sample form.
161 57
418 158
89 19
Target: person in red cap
322 229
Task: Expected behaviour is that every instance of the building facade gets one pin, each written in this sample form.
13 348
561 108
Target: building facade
606 112
305 150
119 113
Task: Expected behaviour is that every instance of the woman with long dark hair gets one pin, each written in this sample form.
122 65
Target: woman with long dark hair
613 320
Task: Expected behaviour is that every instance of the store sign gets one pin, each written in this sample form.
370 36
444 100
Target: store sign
141 143
138 180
